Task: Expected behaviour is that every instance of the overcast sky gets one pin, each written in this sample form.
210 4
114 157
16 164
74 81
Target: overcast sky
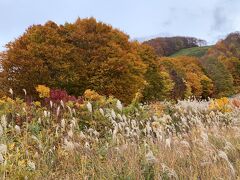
206 19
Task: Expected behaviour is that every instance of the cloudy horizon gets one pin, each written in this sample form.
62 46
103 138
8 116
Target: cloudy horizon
208 20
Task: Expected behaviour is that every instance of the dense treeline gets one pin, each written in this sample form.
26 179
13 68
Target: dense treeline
188 77
220 64
88 54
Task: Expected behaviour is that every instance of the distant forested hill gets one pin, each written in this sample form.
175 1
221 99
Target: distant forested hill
165 46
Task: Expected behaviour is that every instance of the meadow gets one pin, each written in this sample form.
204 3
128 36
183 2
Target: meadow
195 52
97 137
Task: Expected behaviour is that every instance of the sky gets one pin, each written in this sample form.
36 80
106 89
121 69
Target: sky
142 19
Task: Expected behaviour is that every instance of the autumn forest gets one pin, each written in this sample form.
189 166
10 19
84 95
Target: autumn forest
88 54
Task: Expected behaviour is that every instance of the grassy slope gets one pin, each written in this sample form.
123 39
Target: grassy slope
196 52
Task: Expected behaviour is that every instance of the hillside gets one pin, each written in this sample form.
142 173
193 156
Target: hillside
195 52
